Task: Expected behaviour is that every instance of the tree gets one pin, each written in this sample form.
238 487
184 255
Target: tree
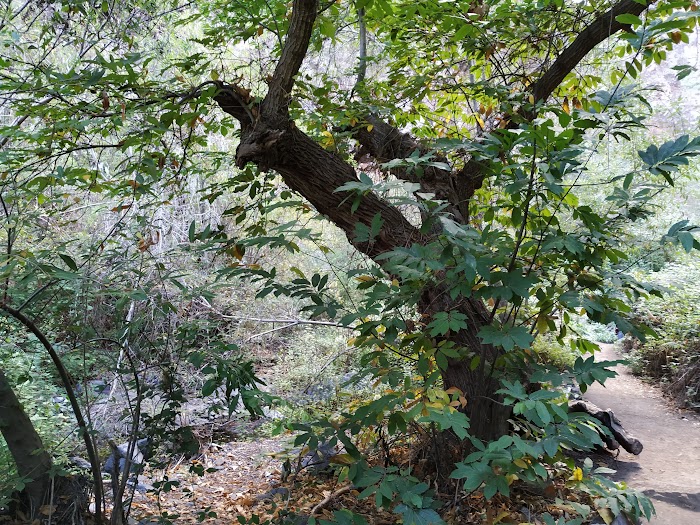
519 84
472 123
33 462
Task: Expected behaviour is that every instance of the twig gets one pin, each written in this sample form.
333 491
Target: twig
330 498
290 322
290 325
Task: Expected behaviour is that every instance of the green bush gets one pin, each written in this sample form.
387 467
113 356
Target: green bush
593 331
554 353
673 357
21 360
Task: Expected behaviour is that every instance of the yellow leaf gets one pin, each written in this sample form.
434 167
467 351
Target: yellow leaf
577 474
214 75
341 459
542 324
370 127
480 121
565 106
364 278
237 252
531 98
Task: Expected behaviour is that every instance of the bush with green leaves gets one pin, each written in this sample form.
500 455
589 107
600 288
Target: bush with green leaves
673 355
43 400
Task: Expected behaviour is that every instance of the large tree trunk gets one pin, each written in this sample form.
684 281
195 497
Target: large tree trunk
33 462
488 416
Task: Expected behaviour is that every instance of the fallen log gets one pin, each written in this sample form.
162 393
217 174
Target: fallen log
620 436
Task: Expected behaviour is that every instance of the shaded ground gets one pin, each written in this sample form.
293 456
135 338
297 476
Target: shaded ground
668 469
244 469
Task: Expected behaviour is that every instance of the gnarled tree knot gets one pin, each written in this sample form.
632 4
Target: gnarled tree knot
262 148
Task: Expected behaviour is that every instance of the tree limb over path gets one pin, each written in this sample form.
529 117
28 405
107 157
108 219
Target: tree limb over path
596 32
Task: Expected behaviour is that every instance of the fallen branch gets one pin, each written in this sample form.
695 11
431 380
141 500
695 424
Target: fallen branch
330 498
608 419
289 322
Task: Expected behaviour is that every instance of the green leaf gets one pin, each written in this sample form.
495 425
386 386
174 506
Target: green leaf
629 19
543 413
686 239
327 28
447 419
69 261
418 516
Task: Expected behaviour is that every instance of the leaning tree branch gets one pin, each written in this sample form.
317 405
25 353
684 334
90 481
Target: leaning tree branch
237 102
301 26
596 32
315 174
271 140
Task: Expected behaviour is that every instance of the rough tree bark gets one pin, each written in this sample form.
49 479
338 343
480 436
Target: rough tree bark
27 450
270 139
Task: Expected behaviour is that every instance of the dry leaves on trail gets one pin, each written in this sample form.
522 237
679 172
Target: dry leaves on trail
244 470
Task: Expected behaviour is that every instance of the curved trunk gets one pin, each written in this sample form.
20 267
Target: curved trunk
27 450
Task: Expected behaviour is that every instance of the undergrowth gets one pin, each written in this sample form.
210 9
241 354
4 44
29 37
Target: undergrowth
672 358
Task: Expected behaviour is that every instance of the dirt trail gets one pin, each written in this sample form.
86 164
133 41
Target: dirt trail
668 469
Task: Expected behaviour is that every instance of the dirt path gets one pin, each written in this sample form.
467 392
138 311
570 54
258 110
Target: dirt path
668 469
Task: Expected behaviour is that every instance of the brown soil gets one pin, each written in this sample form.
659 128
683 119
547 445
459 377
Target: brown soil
668 469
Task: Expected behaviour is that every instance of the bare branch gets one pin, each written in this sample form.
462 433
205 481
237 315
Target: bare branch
324 503
237 102
362 66
384 142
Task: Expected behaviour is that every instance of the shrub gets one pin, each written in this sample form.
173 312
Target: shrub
554 353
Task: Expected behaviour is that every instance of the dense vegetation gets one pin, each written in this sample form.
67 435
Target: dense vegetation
420 181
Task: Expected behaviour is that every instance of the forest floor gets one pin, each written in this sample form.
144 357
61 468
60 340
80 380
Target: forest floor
248 476
668 469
